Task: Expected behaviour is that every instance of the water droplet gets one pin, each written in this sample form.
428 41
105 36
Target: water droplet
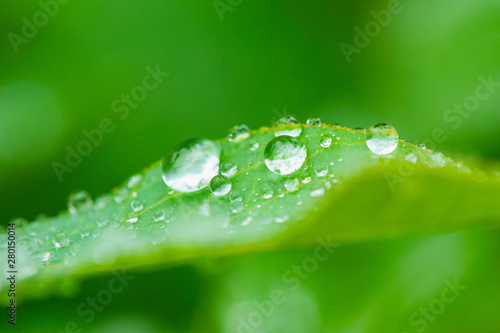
228 169
220 185
236 206
101 221
60 239
170 216
290 124
131 217
75 248
191 165
421 145
281 219
84 232
137 205
158 215
267 191
79 202
292 184
382 139
321 170
317 191
411 158
235 196
134 181
239 132
306 180
326 141
314 122
121 195
285 155
255 146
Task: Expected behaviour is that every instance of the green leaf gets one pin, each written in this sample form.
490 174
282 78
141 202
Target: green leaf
362 196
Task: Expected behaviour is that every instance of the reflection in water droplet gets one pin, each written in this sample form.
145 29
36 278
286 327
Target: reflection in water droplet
314 122
79 202
191 165
321 170
292 184
137 205
382 139
238 133
291 126
158 215
285 155
326 141
60 239
220 185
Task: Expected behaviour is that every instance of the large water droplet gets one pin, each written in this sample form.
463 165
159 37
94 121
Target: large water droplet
191 165
290 126
79 201
60 239
285 155
238 133
220 185
314 122
382 139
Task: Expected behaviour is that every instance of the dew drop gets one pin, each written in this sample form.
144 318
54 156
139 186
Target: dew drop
60 239
267 191
101 221
79 202
170 216
292 184
290 125
317 191
255 146
321 170
134 181
421 145
314 122
228 169
326 141
236 206
285 155
411 158
235 196
131 217
239 132
191 165
158 215
382 139
75 248
220 185
137 205
84 232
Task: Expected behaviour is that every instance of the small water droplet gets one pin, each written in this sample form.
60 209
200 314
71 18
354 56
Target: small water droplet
317 191
421 145
326 141
382 139
60 239
75 248
101 221
158 215
220 185
121 195
235 196
285 155
239 132
84 232
267 191
321 170
131 217
314 122
79 202
292 184
191 165
228 169
306 180
290 126
255 146
137 205
411 158
236 206
134 180
281 219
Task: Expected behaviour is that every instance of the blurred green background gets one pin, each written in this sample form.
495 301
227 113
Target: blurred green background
252 62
